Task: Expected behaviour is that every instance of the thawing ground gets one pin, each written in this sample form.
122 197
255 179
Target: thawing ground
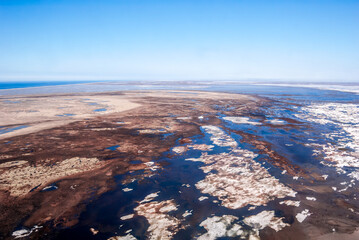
285 169
288 170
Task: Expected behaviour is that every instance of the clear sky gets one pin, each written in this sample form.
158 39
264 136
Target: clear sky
185 39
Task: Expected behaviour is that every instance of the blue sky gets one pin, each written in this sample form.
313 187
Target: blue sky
189 40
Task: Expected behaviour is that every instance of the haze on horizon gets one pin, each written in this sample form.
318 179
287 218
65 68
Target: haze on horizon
179 40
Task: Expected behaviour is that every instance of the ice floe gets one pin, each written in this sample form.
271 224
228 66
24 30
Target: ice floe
161 224
127 189
127 237
150 197
291 203
344 116
237 180
187 213
303 215
126 217
93 231
202 198
311 198
25 232
354 175
242 120
48 188
179 149
220 226
277 122
152 166
219 137
265 219
201 147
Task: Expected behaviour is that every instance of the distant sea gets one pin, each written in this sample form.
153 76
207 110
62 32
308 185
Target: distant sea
297 92
10 85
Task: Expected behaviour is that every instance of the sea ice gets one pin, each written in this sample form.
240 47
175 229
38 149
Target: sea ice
219 137
265 219
127 237
303 215
126 217
242 120
220 227
162 225
345 116
127 189
291 203
238 180
25 232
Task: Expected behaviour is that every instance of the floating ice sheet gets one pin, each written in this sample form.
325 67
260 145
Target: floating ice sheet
237 180
162 225
219 137
265 219
242 120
